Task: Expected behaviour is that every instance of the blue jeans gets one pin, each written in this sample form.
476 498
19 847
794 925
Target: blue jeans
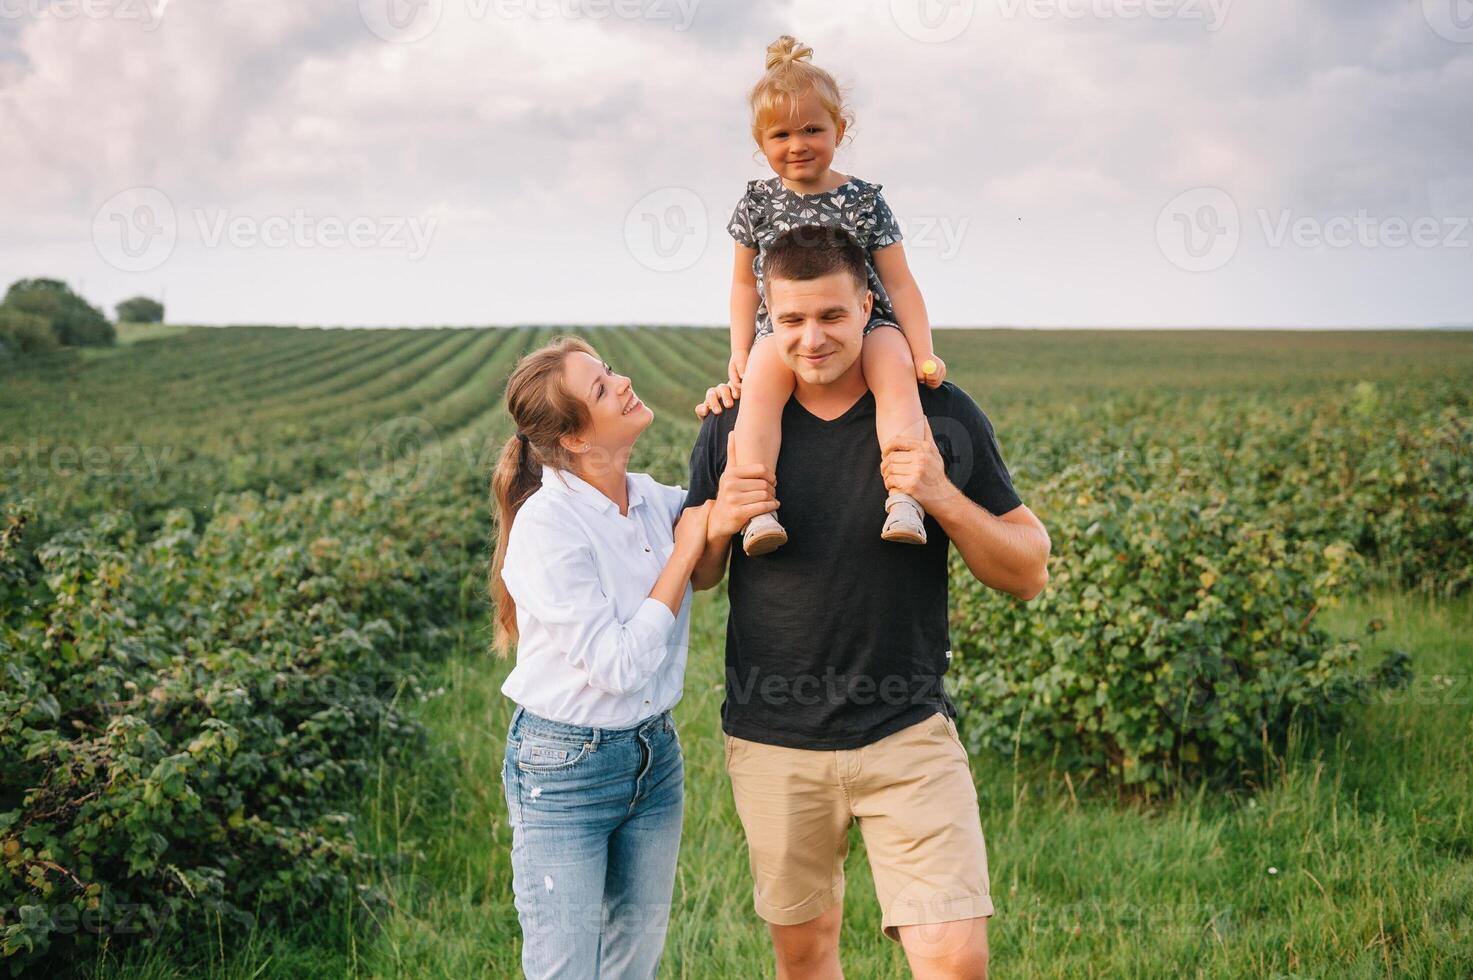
595 818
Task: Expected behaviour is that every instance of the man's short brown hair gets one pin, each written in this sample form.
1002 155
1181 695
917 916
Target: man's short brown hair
812 251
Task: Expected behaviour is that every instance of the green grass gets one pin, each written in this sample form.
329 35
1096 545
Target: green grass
1369 830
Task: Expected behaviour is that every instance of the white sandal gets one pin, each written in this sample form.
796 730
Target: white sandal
762 534
905 521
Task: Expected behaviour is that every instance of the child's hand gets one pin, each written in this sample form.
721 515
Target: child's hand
736 369
937 372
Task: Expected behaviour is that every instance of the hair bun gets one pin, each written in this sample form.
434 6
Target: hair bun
787 49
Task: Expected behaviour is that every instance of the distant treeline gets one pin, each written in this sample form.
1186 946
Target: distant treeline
40 315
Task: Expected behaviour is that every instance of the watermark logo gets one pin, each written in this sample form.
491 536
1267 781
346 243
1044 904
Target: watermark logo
666 230
1362 230
936 910
135 230
1451 19
400 457
401 21
679 13
1212 13
410 234
942 234
932 21
148 13
1199 230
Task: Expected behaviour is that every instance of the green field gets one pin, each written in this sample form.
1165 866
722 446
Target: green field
1349 853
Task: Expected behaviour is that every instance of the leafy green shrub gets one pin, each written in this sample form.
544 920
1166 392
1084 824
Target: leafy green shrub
1398 484
184 722
25 333
140 309
1177 630
74 321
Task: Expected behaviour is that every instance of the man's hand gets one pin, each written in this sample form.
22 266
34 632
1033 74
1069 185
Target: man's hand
744 492
914 466
938 372
722 394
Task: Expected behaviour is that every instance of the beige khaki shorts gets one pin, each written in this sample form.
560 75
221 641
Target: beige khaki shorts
913 797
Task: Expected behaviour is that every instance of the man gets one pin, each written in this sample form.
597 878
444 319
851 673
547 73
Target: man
837 642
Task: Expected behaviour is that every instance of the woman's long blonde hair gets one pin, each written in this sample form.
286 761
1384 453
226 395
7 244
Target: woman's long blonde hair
790 74
544 411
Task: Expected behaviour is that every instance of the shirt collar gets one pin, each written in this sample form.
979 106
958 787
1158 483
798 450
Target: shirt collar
581 490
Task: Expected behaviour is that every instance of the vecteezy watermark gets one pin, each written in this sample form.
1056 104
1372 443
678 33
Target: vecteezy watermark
401 21
114 919
1451 19
1212 13
64 460
400 457
407 21
148 13
834 688
1363 230
666 230
1200 230
408 233
679 13
939 233
932 21
135 230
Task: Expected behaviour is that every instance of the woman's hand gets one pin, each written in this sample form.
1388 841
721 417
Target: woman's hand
723 394
690 531
938 373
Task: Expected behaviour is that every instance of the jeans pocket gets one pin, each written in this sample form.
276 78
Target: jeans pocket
536 754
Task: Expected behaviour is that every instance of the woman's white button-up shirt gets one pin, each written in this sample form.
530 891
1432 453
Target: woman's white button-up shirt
595 649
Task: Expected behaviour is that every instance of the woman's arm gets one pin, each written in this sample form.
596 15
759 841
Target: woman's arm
553 577
905 297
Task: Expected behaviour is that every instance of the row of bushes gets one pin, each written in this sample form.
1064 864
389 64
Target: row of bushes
1388 470
1180 630
185 721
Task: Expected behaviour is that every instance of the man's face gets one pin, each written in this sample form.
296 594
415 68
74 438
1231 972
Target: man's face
818 324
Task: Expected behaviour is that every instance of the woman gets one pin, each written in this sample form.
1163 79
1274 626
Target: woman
591 578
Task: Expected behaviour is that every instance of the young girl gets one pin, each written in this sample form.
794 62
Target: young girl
798 120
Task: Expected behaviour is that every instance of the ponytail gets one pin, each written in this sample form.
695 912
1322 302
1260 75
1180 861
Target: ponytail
543 412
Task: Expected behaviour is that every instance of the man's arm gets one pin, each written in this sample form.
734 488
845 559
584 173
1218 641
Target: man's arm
741 494
1008 553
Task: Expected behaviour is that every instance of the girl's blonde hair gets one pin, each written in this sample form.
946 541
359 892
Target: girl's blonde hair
544 411
790 74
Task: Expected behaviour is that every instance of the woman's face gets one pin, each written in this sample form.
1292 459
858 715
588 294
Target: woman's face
616 415
799 143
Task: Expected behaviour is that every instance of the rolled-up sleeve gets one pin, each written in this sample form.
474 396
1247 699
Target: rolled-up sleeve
552 576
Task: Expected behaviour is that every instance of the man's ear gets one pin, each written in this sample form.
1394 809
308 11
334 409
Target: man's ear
869 302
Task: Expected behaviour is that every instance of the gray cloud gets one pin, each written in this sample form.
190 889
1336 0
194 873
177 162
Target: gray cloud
1046 143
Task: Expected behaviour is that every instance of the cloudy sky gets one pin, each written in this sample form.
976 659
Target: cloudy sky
1052 162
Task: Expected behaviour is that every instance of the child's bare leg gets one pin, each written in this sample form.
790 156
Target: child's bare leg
890 372
766 388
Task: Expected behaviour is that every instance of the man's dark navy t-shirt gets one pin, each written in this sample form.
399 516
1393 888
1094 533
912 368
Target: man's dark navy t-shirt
839 638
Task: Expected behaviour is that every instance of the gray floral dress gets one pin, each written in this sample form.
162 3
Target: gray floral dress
769 208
